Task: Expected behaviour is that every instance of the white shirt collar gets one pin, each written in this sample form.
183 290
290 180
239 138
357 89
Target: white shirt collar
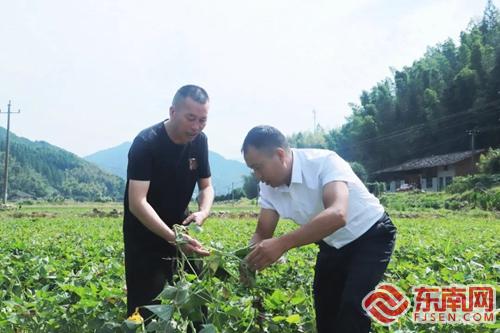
296 173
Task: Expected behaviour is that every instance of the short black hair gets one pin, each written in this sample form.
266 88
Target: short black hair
197 94
264 137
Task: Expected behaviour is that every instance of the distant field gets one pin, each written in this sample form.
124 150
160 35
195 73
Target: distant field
62 265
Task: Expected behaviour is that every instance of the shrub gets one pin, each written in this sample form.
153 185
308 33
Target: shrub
489 163
479 181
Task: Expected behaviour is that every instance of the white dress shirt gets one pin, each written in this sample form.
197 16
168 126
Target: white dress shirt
312 169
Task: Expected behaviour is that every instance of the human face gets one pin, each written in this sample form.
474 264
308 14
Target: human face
269 167
188 118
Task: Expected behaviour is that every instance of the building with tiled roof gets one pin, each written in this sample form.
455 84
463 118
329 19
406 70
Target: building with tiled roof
430 173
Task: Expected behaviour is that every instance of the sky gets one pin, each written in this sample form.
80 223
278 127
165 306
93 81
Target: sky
89 75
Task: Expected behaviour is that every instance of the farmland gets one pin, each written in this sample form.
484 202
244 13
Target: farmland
62 268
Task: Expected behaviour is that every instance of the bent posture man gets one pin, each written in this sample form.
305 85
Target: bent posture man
318 190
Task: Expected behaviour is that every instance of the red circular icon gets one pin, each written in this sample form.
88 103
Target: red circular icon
386 304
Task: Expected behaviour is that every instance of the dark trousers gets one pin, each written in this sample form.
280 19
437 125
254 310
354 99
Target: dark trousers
343 277
146 274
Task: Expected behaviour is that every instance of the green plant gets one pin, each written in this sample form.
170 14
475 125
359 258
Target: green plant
489 163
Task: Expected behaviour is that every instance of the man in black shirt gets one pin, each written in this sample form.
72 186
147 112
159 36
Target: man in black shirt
165 162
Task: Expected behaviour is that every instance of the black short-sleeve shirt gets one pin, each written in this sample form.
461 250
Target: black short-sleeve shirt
172 170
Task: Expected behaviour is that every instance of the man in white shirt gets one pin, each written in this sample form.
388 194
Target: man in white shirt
319 191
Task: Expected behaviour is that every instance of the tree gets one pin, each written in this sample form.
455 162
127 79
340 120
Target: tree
490 162
251 186
425 108
308 139
359 170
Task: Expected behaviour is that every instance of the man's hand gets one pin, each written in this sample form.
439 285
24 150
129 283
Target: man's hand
266 253
196 217
193 246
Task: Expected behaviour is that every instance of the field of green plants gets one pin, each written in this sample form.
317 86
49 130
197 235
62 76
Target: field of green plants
62 270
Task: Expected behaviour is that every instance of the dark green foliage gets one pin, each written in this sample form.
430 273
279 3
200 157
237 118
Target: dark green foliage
235 194
489 163
250 186
308 139
359 170
63 271
479 182
42 171
376 188
426 108
478 191
476 198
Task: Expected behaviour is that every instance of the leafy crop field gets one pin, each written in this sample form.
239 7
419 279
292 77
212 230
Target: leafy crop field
62 269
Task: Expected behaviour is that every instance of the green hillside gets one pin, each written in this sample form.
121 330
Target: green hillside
39 170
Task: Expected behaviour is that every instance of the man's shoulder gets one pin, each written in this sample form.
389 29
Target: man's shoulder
312 156
312 153
200 143
150 133
202 137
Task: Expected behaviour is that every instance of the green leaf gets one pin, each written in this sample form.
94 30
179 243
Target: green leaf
278 319
195 228
157 326
298 298
163 311
243 252
130 326
247 275
293 319
168 292
278 297
182 294
208 328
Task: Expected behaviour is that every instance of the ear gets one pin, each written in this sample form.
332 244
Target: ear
281 154
171 111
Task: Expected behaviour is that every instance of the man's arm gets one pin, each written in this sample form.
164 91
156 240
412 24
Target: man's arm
206 199
332 218
266 224
140 207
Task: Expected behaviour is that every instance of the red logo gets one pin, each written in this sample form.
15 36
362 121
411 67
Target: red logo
472 304
386 304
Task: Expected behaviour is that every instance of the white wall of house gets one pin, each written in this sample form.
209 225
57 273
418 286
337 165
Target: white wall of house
429 184
434 184
445 174
392 187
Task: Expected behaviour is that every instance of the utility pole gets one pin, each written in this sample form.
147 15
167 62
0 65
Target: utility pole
472 133
6 163
232 191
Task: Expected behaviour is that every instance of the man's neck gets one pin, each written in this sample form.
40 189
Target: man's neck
167 124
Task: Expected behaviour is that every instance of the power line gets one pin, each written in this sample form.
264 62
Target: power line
486 109
413 129
453 139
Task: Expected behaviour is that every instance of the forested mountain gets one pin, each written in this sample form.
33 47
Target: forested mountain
113 160
40 170
430 107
